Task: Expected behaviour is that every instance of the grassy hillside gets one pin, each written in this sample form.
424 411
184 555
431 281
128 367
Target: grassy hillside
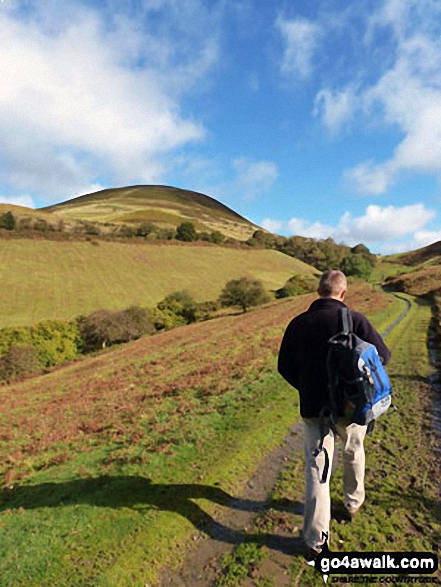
110 463
162 205
422 281
431 253
47 279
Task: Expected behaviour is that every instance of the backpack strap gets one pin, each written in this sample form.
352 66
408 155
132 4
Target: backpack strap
346 320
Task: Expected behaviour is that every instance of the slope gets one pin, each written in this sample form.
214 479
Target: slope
110 463
43 279
162 205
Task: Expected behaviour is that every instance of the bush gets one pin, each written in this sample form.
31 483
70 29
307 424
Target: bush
166 319
7 221
357 266
103 328
19 361
297 285
243 292
217 237
145 229
181 304
54 341
186 232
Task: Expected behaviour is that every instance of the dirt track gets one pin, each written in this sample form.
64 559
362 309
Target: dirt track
203 563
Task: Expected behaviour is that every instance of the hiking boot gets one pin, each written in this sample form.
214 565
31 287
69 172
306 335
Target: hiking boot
310 554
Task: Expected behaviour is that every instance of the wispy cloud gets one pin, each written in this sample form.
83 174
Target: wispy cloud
335 107
301 39
253 177
397 84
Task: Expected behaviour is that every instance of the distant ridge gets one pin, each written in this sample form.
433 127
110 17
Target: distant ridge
160 204
429 253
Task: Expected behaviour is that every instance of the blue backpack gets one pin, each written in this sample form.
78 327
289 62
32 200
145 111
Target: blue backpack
359 387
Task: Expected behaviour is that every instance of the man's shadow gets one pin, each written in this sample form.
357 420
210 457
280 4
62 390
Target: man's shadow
140 494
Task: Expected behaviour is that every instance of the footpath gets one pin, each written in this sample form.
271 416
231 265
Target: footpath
257 543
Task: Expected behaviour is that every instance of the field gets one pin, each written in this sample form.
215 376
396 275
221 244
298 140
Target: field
61 279
112 463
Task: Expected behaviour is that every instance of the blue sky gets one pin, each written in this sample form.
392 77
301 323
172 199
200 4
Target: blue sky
315 118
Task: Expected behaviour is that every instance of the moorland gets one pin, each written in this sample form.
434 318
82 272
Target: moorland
115 465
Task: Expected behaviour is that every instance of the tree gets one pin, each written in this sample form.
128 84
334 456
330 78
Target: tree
243 292
181 304
186 232
103 328
7 221
296 285
361 249
357 266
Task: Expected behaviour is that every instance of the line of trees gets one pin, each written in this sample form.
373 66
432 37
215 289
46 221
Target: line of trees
324 254
28 350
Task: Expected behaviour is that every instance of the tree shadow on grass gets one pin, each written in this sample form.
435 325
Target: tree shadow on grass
140 494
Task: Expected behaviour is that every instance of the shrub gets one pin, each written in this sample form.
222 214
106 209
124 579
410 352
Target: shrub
165 234
40 224
19 361
243 292
206 309
296 285
186 232
54 341
356 265
166 319
7 221
103 328
181 304
145 228
216 237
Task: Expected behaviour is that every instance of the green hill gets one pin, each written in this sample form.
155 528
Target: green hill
415 272
44 279
429 254
162 205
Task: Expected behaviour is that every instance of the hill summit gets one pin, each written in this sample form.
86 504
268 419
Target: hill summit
162 205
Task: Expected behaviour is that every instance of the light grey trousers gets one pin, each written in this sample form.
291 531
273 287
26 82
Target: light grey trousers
318 501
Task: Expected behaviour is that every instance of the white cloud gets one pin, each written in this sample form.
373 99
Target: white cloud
369 178
378 225
271 225
334 108
254 177
301 39
389 223
301 227
79 102
24 200
422 238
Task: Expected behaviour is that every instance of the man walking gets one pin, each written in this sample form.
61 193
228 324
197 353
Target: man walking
302 362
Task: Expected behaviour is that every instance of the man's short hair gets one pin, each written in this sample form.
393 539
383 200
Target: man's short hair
332 283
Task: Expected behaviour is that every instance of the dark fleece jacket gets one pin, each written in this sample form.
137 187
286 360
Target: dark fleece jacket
302 356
